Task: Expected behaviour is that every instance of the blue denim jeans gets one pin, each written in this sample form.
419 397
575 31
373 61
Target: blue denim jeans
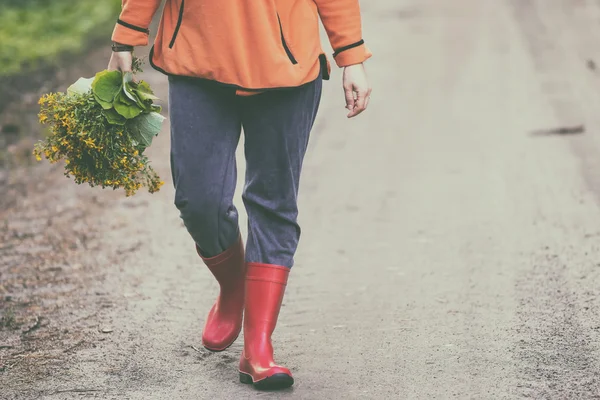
206 123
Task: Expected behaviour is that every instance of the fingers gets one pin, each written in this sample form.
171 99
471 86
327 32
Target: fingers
125 61
112 64
361 103
349 93
126 67
120 61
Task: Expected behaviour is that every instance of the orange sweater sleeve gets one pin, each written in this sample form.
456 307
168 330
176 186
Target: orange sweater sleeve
342 21
132 25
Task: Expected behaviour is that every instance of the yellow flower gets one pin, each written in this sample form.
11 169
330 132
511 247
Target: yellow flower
77 134
89 142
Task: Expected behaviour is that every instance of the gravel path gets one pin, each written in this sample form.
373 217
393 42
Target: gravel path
450 243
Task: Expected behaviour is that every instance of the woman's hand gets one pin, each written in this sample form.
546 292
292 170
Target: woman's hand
356 89
120 61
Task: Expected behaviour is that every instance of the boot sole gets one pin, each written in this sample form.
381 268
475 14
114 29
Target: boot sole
277 381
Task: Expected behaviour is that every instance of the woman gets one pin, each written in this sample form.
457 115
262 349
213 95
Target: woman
257 65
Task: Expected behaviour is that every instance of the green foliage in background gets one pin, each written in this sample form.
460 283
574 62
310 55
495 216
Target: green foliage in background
35 32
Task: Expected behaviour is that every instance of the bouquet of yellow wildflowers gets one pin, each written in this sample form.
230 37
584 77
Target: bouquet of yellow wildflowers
101 127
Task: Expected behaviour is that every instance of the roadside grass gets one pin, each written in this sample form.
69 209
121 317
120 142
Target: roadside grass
40 42
37 33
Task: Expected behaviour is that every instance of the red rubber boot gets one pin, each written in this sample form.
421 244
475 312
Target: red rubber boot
224 321
265 287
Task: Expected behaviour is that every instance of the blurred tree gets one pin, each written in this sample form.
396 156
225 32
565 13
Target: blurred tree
25 3
38 32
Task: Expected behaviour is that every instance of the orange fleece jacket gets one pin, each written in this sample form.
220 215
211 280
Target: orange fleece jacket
250 45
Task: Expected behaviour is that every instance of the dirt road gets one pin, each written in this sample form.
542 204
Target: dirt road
450 244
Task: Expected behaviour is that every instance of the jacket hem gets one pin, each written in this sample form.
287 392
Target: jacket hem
322 74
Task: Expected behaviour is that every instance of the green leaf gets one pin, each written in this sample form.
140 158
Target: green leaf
145 97
129 85
147 106
127 77
144 87
130 88
129 92
144 91
145 127
105 104
132 94
107 84
127 108
81 86
114 118
156 108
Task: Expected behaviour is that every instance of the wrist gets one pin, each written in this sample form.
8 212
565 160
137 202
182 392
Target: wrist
357 65
119 47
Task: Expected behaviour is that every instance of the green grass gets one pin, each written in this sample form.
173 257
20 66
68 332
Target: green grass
38 32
